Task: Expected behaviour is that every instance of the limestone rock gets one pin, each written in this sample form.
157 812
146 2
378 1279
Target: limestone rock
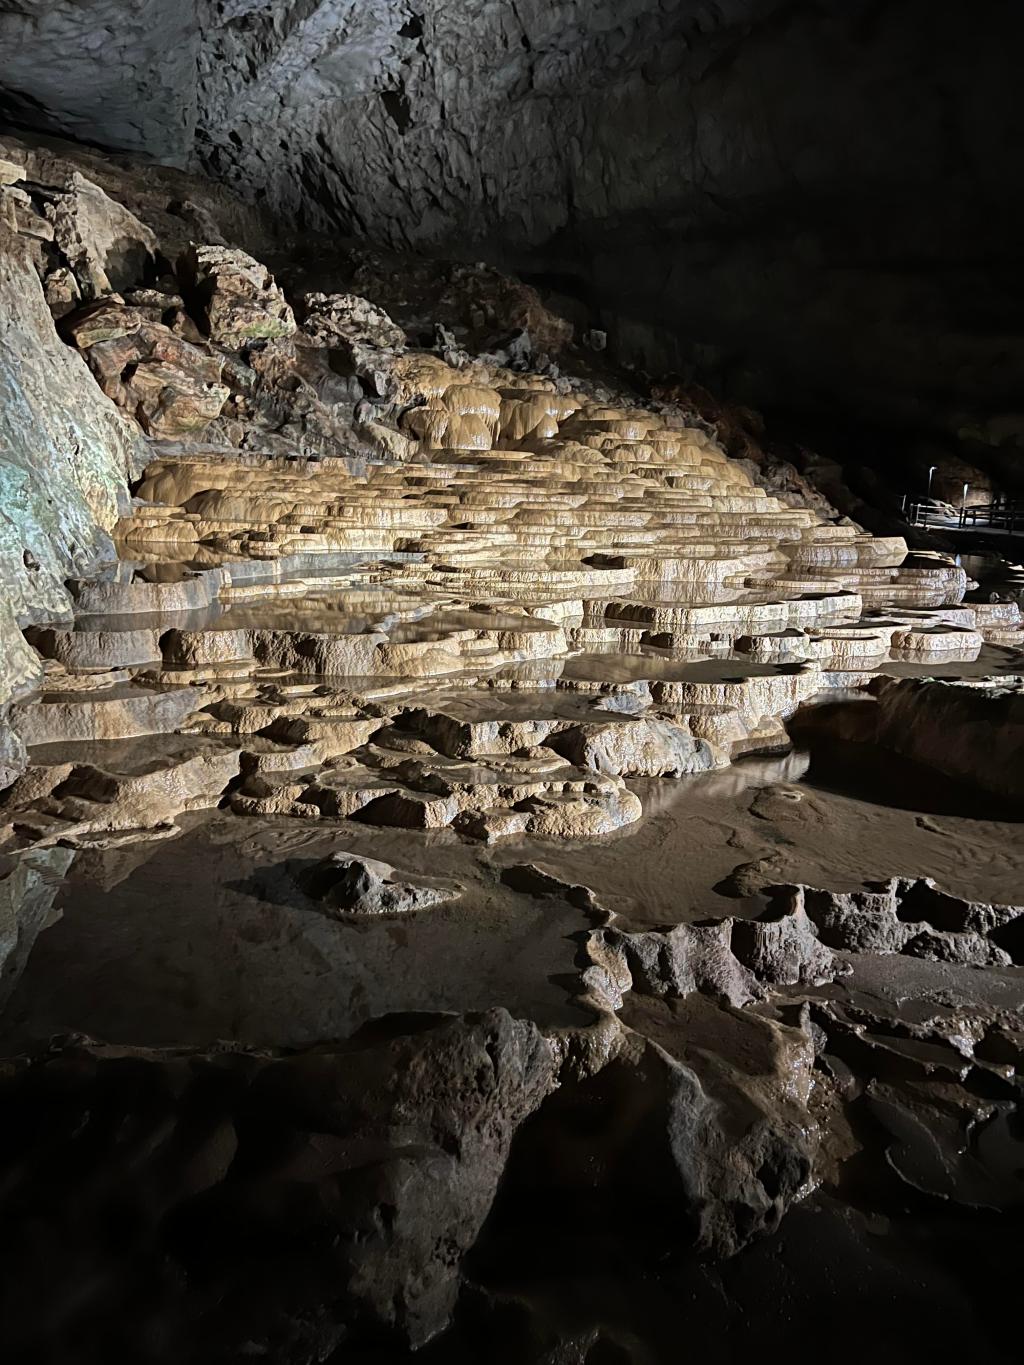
142 789
349 322
66 457
349 121
494 305
169 386
687 958
729 959
13 758
386 1150
112 710
937 724
10 172
570 816
100 649
696 1129
62 291
351 885
742 1156
530 880
28 887
637 748
902 915
236 297
781 947
104 244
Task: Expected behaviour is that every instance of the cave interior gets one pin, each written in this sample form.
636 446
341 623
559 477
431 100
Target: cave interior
511 680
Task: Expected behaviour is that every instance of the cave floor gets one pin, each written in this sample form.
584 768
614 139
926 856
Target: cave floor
208 936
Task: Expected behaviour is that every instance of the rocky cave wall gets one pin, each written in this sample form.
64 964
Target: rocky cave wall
803 202
66 458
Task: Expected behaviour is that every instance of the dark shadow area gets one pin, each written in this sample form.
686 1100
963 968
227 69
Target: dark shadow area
868 773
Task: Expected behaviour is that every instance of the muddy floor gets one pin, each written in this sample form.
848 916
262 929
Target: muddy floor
205 936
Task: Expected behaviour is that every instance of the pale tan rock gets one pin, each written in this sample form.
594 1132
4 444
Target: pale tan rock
101 649
106 246
116 712
147 793
636 748
524 541
10 172
346 320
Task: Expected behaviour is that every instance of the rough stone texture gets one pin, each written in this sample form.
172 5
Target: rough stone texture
469 308
121 74
671 1136
348 321
13 758
972 733
729 960
913 917
698 168
643 749
168 385
286 1202
742 1150
27 892
349 885
104 244
235 296
65 460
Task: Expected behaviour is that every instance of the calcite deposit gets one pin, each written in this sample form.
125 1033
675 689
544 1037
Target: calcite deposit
449 800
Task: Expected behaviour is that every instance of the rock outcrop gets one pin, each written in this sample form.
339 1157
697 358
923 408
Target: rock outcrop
967 730
66 457
349 885
235 297
168 385
28 888
614 147
912 917
381 1155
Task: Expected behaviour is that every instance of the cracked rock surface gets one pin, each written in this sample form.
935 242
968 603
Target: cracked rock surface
691 168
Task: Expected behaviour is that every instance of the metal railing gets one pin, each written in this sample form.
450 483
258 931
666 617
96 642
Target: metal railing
1001 514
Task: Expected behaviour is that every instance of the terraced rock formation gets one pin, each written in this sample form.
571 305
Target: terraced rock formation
436 851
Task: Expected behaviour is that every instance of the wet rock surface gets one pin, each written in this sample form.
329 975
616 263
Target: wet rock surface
407 859
59 435
350 885
28 888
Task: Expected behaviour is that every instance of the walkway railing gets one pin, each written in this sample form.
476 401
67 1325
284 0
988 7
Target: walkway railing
1001 514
